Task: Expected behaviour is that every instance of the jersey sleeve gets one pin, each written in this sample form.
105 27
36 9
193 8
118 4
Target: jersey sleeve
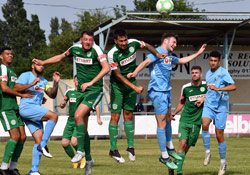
69 52
152 57
175 60
138 44
112 61
183 96
3 76
23 79
228 79
100 55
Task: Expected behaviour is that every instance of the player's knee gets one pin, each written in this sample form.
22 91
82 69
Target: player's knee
16 136
54 117
23 138
65 143
73 142
205 127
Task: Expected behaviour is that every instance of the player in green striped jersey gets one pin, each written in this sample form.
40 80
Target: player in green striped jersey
192 97
91 67
122 60
9 114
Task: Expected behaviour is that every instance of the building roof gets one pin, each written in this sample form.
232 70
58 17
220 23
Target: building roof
191 31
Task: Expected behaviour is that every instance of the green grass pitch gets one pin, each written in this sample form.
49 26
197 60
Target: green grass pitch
147 163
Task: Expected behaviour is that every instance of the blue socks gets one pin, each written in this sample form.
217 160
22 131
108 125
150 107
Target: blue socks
206 139
50 125
36 156
161 137
169 132
222 150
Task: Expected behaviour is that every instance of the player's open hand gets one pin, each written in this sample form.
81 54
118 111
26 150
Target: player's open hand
28 94
161 56
201 50
85 85
56 76
131 75
36 81
38 62
199 102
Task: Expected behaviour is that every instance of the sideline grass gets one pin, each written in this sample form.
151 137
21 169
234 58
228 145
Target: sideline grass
147 163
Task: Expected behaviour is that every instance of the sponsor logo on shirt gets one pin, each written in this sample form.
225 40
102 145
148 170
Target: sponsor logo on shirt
13 79
128 60
37 88
196 97
87 61
168 60
72 100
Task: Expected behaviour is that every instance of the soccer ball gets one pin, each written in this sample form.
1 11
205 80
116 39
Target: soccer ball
164 6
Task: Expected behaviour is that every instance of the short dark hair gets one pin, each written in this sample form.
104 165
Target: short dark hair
119 32
168 35
215 54
5 48
196 67
88 32
75 76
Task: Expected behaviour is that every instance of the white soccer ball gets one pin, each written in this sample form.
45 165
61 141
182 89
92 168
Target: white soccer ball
164 6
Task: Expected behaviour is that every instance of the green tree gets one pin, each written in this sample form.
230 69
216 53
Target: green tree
119 11
22 35
54 28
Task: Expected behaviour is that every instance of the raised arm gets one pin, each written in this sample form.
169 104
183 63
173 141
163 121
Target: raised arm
141 66
231 87
54 59
151 49
193 56
52 92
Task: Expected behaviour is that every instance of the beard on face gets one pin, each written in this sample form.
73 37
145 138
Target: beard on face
38 72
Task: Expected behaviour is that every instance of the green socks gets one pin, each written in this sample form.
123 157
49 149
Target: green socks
113 134
80 129
180 162
129 129
9 150
70 152
18 151
87 147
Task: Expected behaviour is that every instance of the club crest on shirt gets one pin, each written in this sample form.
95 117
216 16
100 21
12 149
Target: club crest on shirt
168 60
202 89
131 49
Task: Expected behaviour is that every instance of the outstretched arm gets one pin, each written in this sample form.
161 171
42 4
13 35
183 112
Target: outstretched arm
98 113
52 92
141 66
193 56
178 108
154 51
54 59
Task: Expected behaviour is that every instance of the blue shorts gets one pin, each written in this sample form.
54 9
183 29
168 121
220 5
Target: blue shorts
219 118
32 115
161 101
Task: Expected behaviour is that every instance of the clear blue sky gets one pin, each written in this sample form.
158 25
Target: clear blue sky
58 8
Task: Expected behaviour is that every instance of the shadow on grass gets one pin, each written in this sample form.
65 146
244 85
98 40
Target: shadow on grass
213 173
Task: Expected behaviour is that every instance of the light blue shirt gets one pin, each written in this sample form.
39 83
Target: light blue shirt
160 71
218 100
27 78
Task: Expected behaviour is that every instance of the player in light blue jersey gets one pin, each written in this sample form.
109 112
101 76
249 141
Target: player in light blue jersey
219 83
33 114
159 91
